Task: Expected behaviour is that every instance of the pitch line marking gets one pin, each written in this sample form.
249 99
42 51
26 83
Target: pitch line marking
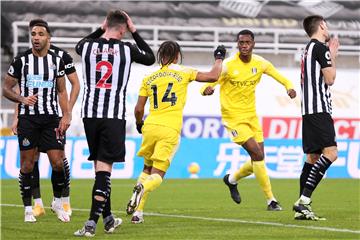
329 229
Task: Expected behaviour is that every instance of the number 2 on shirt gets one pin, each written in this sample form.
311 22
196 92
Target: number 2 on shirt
102 82
172 99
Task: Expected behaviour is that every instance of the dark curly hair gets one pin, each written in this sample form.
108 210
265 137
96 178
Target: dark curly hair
168 52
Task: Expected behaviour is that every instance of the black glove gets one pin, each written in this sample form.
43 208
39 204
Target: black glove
220 52
139 126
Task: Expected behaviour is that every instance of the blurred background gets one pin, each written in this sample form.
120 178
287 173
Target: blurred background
199 26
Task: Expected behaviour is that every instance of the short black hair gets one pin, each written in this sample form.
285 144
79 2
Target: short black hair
245 32
39 22
311 24
168 52
115 18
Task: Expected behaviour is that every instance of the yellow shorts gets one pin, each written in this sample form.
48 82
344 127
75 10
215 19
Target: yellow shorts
241 130
159 145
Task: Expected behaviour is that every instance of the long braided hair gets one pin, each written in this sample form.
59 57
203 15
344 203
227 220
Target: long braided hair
168 52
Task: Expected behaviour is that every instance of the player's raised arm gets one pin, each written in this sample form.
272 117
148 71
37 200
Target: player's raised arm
96 34
330 72
142 53
214 73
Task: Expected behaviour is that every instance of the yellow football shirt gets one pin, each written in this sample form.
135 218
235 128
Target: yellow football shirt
238 81
166 88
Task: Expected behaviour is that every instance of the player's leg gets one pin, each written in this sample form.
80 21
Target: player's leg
138 215
152 182
54 147
38 208
25 182
99 196
256 153
309 163
318 136
58 183
65 195
164 142
28 138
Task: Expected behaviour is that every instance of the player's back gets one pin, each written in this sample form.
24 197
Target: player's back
167 89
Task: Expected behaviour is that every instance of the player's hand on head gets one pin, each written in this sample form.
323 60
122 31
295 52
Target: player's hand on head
130 23
209 91
104 25
139 126
291 93
220 52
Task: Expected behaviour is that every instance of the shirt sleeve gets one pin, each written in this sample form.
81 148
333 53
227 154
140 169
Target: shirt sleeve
143 89
15 68
322 55
61 70
141 52
69 63
96 34
274 73
190 72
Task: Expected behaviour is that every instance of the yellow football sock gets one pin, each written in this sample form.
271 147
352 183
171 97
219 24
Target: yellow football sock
142 179
152 182
262 177
245 170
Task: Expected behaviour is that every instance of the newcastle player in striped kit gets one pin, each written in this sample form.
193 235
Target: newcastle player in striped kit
70 72
318 73
106 69
40 76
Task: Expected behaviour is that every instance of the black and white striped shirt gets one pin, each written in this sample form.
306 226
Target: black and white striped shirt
106 70
37 75
65 56
316 97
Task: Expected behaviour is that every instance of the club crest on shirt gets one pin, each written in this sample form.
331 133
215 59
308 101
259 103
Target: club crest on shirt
52 67
254 70
25 142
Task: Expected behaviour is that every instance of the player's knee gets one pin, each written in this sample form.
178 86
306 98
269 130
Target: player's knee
257 156
58 166
332 155
27 167
100 195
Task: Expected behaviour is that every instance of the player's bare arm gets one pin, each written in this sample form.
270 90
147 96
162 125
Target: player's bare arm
64 105
16 113
75 89
214 74
139 112
330 72
9 92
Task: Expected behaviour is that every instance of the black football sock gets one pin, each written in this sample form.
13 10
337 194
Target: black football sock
36 181
316 174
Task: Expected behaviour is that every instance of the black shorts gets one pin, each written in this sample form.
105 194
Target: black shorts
106 139
38 131
318 132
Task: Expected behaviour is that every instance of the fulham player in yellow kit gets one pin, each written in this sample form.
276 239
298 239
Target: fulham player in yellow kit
166 90
239 77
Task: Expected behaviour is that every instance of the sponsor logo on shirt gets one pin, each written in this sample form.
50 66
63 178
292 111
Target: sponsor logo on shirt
36 81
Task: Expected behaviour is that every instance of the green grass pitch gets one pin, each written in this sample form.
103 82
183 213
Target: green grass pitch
195 209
